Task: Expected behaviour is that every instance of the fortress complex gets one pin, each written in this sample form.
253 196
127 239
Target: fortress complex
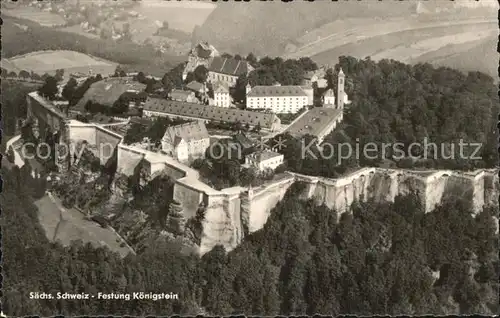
230 214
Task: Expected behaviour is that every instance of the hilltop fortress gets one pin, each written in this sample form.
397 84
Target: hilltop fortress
232 213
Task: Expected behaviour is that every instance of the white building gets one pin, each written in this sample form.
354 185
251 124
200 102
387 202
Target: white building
221 95
278 99
263 160
329 97
187 141
337 102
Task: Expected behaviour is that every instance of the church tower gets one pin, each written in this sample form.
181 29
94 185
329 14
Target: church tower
340 89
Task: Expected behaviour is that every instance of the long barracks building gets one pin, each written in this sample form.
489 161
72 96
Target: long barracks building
157 107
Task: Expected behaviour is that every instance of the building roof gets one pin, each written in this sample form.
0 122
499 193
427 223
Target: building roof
194 130
329 93
221 88
229 66
107 91
195 86
243 140
314 121
178 94
265 120
263 91
264 155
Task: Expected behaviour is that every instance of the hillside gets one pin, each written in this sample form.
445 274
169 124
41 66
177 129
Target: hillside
21 36
320 30
264 27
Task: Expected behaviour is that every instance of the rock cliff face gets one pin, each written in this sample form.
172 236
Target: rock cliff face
228 220
230 214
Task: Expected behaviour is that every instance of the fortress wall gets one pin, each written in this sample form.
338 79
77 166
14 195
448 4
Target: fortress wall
106 142
188 196
491 188
478 202
83 132
436 190
222 223
128 158
172 171
264 200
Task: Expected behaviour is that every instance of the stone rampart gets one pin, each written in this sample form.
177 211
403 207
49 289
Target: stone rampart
232 213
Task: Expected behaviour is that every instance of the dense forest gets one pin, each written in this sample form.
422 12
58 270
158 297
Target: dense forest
395 103
388 258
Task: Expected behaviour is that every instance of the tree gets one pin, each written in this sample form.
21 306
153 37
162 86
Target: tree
252 59
165 25
141 78
308 64
59 75
167 83
24 74
119 72
49 88
69 89
4 72
12 74
201 74
35 76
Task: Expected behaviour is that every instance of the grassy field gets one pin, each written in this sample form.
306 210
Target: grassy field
72 226
41 17
49 61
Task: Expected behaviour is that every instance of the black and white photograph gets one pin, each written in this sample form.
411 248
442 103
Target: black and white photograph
256 158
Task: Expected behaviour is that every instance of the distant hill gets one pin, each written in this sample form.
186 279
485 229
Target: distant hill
266 27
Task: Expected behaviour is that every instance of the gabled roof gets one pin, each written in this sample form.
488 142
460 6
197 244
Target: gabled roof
178 94
276 91
265 120
314 121
194 130
243 140
329 93
229 66
221 88
195 86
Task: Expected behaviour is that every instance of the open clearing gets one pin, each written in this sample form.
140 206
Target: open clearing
41 17
180 15
72 226
49 61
